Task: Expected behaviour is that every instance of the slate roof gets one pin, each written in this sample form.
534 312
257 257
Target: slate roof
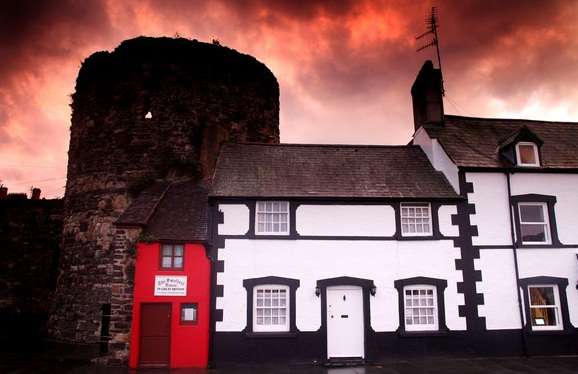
170 211
327 171
139 212
475 142
182 214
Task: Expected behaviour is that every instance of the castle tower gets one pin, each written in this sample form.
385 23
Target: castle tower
153 109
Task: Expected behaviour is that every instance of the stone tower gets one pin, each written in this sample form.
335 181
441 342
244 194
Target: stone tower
153 109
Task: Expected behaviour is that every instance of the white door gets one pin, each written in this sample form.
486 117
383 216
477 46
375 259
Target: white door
345 330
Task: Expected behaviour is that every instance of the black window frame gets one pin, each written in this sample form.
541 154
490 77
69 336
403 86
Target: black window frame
562 283
440 285
550 202
250 284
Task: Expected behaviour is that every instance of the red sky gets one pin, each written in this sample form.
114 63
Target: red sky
344 67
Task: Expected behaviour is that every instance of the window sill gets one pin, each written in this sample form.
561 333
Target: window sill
549 332
271 335
417 237
422 334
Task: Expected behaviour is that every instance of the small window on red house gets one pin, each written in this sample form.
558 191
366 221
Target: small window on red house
189 313
172 256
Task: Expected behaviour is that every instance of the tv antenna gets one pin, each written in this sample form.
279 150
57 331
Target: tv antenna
432 24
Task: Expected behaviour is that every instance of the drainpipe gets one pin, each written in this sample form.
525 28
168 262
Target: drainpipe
517 271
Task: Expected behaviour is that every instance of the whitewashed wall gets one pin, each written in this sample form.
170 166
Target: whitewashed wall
553 262
565 188
492 217
437 157
445 213
497 265
311 260
345 220
236 219
499 288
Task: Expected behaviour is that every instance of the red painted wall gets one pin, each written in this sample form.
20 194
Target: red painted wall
189 343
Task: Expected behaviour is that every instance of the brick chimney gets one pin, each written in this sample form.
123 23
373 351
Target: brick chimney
35 194
426 94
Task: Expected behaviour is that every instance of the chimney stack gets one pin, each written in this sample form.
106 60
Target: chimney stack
35 194
426 94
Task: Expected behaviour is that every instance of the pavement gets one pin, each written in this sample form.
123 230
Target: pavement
13 363
55 358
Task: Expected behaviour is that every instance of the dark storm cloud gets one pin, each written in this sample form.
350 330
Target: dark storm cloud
345 67
55 29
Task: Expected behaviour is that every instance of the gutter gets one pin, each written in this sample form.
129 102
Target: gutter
516 268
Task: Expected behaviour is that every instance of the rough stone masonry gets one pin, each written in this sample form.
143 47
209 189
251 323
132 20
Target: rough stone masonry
153 109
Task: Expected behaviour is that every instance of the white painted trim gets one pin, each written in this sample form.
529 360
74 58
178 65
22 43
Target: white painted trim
257 211
546 222
276 327
416 205
559 321
421 327
536 156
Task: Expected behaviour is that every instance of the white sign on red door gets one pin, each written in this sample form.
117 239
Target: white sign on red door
170 285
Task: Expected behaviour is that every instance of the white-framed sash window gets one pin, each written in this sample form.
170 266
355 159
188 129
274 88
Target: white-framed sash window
534 223
420 308
545 307
272 218
416 219
270 308
527 154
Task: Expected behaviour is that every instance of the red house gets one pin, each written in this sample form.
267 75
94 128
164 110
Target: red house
171 309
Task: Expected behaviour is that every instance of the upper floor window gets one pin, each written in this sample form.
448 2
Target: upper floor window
416 219
545 307
527 154
272 217
172 256
534 227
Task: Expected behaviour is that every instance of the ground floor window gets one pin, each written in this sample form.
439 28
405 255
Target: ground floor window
271 305
420 308
189 314
546 305
421 304
271 308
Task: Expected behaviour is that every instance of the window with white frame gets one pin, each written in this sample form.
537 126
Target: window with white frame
420 308
527 154
272 217
270 308
534 227
416 219
545 307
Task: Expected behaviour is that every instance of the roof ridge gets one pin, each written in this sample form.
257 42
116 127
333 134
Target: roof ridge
326 145
494 119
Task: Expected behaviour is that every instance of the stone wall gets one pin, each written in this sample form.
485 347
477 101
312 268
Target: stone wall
29 244
153 109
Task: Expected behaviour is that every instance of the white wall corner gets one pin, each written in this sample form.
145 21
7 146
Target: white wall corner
437 157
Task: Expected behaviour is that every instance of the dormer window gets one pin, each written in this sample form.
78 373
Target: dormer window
527 154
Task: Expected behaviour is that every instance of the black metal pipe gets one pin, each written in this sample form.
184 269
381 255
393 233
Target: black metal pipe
517 272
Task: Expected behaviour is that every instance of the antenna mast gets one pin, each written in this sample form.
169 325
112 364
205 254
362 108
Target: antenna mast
432 25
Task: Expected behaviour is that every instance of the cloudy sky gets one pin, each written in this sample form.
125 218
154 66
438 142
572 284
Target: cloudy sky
345 67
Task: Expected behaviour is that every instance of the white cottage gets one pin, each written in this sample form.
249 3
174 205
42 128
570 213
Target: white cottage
463 242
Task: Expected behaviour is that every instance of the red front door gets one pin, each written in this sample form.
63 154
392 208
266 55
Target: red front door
155 335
